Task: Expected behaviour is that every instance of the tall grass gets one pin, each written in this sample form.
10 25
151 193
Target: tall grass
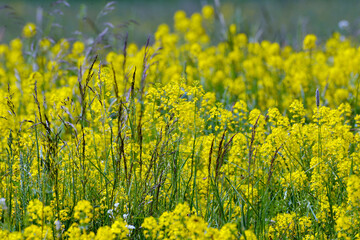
179 138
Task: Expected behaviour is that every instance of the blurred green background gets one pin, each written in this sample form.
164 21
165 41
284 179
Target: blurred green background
284 21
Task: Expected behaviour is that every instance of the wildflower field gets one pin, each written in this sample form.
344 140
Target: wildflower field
183 137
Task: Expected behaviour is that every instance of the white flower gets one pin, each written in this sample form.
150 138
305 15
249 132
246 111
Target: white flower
3 203
343 24
57 225
130 227
125 216
116 205
111 213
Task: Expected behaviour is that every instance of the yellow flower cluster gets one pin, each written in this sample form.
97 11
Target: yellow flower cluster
309 42
83 212
181 224
118 230
29 30
38 213
208 12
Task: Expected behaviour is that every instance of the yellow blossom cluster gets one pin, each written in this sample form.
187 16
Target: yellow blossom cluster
38 213
83 212
181 224
29 30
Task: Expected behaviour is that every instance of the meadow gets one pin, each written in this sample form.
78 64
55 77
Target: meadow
199 133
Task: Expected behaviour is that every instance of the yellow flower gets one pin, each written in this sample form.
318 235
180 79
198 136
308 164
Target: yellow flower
309 42
249 234
232 29
229 231
119 229
208 12
181 22
36 232
104 233
78 47
44 44
38 212
353 189
73 232
162 31
83 212
16 44
284 223
29 30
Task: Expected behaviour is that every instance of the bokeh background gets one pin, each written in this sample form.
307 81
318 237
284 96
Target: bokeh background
284 21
